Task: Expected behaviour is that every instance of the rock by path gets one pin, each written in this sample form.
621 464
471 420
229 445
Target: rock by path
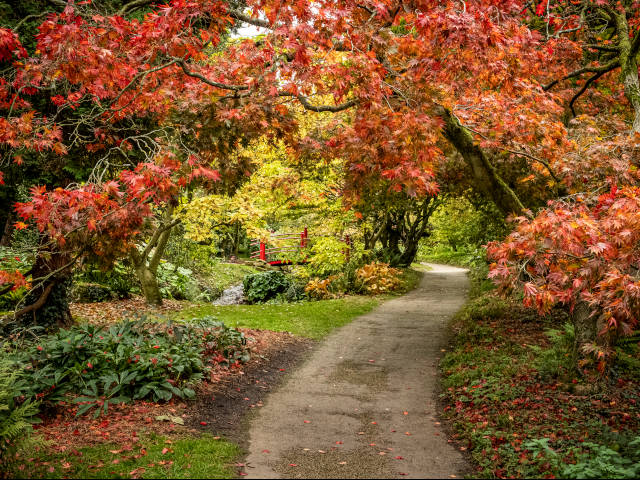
364 404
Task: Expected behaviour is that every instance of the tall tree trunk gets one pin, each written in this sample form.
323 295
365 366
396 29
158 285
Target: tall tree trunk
5 239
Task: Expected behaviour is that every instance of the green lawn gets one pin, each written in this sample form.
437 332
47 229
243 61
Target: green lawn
191 457
307 319
311 319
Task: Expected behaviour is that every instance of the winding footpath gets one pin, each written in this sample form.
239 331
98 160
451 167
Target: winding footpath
364 404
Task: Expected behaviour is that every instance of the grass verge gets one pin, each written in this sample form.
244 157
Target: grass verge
153 457
311 319
308 319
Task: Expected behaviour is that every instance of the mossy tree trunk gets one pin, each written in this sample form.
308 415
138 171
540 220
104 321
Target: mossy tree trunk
145 262
485 176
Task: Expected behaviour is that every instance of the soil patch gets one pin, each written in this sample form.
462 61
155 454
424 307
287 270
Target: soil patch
223 405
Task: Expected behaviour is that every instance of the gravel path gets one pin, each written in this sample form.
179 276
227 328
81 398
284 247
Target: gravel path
364 403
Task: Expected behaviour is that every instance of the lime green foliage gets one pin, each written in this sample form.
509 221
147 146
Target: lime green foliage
457 223
276 196
15 418
307 319
460 229
190 457
327 257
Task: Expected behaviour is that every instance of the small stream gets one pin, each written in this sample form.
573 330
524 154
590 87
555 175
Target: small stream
231 296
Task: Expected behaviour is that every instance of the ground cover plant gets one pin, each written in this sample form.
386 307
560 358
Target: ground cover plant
520 408
96 366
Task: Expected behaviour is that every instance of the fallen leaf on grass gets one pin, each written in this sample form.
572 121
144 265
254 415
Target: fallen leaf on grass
170 418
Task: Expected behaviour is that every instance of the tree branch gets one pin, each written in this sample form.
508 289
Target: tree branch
584 89
36 305
135 4
224 86
250 20
304 101
612 65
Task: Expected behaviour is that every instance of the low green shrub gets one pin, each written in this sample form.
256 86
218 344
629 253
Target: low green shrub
15 418
90 292
327 257
120 280
592 460
557 360
126 361
176 282
264 286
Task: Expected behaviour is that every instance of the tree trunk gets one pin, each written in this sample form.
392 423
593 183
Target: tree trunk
47 303
146 263
588 330
486 178
585 328
629 68
149 284
5 239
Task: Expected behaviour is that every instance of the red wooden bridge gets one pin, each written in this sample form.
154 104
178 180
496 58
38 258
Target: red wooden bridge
292 244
